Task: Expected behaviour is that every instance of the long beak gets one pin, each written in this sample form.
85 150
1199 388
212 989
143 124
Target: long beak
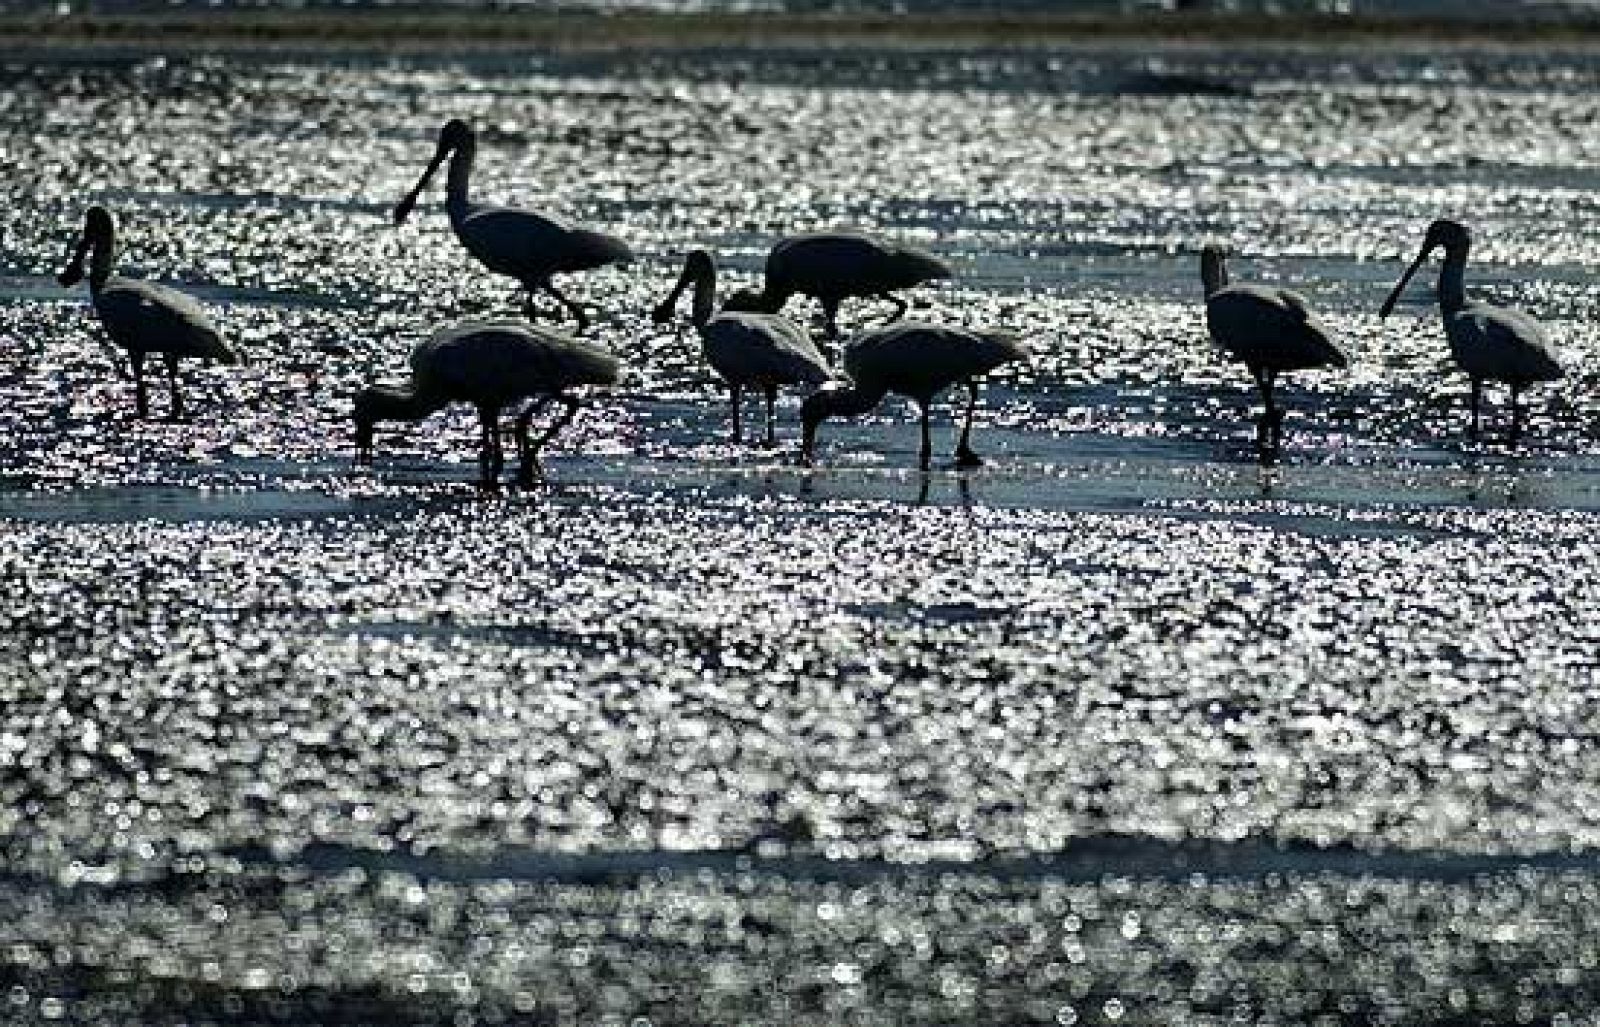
1400 286
663 311
72 274
402 210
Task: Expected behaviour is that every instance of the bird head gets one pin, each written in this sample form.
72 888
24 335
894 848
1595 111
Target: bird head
455 135
1451 236
700 271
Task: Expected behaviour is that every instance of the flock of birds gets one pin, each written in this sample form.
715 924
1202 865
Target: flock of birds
750 343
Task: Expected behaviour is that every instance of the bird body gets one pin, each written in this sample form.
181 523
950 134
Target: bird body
918 361
1489 343
489 364
521 244
1269 330
747 349
142 317
833 266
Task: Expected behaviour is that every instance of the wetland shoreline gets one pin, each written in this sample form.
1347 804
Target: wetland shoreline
416 30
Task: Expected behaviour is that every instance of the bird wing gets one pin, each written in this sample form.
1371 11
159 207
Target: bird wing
1271 328
920 359
154 318
502 360
1502 344
847 264
762 349
531 247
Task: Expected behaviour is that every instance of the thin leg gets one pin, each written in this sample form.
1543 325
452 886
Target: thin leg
1477 399
965 457
772 397
171 361
1270 425
527 461
1516 411
573 308
489 459
556 425
735 397
925 460
830 316
141 398
900 306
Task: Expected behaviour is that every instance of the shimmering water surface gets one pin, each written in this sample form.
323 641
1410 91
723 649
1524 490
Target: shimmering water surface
1122 727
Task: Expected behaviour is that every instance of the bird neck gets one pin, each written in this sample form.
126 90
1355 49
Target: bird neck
704 303
1213 272
1453 279
458 180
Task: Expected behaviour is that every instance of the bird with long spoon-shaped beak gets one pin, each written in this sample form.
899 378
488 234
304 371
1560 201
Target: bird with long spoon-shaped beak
748 350
917 361
1489 343
833 266
1267 329
489 365
142 317
521 244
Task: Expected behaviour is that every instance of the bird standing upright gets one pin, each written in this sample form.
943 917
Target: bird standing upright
917 361
833 266
1489 343
1267 329
749 350
142 317
524 245
489 364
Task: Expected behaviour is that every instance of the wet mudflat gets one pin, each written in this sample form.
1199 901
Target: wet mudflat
1122 727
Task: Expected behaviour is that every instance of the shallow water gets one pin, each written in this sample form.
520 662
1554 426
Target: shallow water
1122 726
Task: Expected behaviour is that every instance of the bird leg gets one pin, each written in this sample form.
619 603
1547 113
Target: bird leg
965 457
1516 412
1269 430
141 398
900 306
572 307
735 395
171 360
556 425
925 459
489 456
772 396
527 461
830 317
1477 397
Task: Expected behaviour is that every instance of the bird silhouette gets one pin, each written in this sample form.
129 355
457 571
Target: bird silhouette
917 361
521 244
833 266
142 317
1490 343
748 350
1267 329
489 365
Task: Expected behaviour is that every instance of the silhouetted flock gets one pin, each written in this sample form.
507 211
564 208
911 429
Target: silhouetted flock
750 343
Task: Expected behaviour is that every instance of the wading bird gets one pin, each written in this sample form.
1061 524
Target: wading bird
142 317
489 364
1269 330
519 243
749 350
833 266
1489 343
917 361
